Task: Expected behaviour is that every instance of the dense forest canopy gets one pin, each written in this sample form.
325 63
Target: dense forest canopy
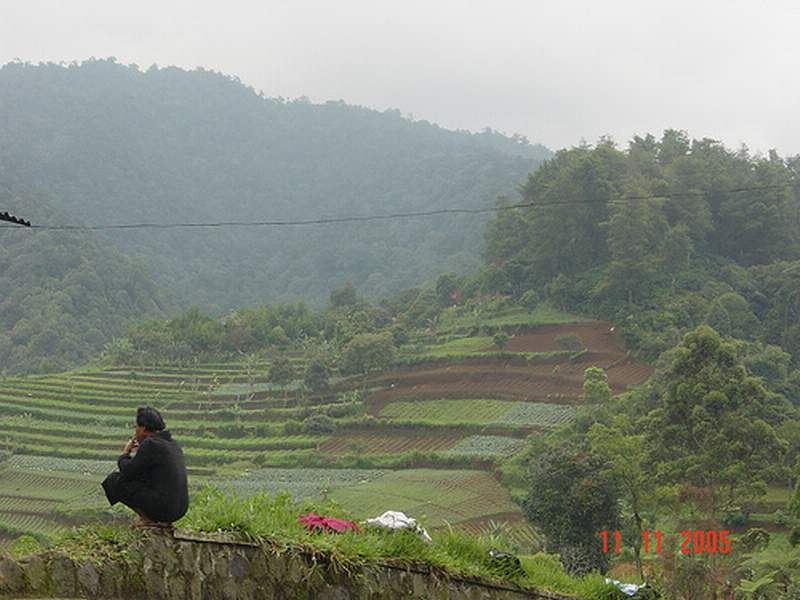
63 295
115 144
661 237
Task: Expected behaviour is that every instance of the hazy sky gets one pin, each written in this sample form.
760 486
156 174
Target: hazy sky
555 71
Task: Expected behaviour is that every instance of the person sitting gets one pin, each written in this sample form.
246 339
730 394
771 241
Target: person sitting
153 482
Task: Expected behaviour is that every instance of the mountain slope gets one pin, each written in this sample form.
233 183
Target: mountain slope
115 144
63 295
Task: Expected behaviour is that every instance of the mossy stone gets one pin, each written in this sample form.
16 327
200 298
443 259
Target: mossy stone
12 576
88 579
187 560
63 575
36 577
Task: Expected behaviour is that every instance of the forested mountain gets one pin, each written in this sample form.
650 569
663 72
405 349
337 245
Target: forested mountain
63 295
115 144
661 237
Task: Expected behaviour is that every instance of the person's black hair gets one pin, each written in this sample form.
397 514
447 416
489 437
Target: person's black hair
149 418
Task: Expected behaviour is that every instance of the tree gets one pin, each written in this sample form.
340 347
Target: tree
281 371
675 252
571 501
595 386
367 352
719 319
634 233
446 288
343 296
708 429
794 503
500 340
622 449
317 375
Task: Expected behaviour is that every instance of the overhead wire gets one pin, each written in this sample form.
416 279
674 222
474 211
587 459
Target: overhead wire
402 215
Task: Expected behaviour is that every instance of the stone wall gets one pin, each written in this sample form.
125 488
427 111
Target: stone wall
164 566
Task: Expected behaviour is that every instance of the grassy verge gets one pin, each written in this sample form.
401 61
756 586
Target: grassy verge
264 518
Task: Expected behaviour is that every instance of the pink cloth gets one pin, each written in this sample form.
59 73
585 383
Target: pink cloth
313 522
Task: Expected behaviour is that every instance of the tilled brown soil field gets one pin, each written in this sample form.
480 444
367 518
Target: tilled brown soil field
499 379
597 336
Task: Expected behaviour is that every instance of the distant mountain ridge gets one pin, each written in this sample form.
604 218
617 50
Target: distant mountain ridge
114 144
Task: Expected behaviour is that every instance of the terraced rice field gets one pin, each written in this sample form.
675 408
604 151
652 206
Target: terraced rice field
479 412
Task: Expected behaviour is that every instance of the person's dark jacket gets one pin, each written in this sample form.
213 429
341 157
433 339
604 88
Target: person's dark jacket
159 472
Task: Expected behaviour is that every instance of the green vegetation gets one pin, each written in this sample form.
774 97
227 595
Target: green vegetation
692 250
267 519
462 345
487 445
121 161
697 253
499 313
487 412
63 295
435 496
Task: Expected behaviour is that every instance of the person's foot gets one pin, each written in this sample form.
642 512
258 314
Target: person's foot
144 523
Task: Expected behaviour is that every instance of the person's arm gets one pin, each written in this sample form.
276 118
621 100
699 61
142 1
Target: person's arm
139 465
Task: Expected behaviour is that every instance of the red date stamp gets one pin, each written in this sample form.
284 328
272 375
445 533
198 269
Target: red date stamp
691 541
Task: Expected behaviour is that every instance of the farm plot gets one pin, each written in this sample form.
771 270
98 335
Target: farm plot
485 379
487 446
480 412
27 523
435 496
597 336
300 483
537 414
389 442
444 412
456 320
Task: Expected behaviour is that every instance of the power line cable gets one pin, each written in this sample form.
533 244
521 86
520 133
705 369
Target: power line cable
363 218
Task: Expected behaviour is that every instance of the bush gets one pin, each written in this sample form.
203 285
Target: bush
794 536
530 299
318 424
500 340
754 539
734 518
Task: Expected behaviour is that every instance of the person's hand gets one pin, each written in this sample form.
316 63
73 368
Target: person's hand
132 443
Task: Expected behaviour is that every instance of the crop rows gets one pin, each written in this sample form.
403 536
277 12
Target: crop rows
28 523
447 411
487 445
389 442
305 483
480 412
537 414
45 464
59 437
24 504
429 495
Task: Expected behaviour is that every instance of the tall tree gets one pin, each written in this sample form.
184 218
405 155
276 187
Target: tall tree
621 447
709 428
572 500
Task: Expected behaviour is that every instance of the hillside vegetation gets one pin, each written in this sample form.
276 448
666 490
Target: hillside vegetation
661 237
63 295
116 144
